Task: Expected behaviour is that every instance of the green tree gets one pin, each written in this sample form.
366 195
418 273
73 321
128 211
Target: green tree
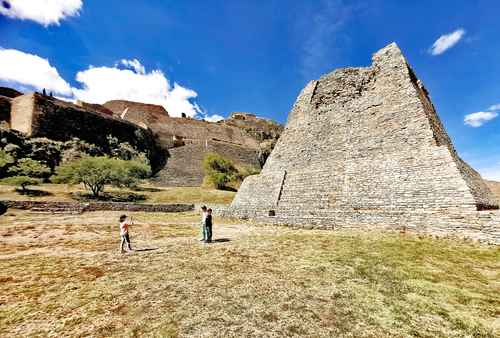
96 172
21 181
5 159
30 168
219 171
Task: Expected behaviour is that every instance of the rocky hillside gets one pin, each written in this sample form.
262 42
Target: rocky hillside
243 138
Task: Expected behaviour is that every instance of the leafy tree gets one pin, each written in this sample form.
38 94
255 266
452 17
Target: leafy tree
30 168
214 162
5 159
96 172
21 181
219 171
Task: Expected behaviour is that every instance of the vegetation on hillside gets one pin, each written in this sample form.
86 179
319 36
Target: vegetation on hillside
222 174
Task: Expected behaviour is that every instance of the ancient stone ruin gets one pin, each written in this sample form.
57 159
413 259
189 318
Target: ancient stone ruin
175 146
188 140
364 147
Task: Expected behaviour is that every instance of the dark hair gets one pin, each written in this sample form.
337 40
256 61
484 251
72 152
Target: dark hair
123 217
204 208
209 210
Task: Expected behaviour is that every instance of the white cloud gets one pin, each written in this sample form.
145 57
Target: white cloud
494 107
31 70
446 41
101 84
134 64
213 118
478 119
45 12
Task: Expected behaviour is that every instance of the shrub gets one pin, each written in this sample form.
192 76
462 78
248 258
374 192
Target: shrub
219 171
217 180
30 168
216 163
96 172
21 181
5 160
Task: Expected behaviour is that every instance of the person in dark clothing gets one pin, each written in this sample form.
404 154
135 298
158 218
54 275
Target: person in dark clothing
208 226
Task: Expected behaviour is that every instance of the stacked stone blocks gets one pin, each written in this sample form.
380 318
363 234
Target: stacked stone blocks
364 147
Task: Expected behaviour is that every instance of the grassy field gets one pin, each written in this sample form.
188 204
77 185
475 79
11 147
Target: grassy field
62 192
63 276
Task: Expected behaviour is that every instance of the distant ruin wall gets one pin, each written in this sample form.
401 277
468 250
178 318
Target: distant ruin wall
365 147
5 105
40 116
185 164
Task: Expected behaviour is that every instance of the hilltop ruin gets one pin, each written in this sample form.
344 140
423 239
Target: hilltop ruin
175 146
364 147
243 138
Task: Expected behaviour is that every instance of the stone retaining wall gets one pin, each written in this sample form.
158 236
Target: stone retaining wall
97 206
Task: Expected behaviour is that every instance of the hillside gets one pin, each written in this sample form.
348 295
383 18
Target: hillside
244 138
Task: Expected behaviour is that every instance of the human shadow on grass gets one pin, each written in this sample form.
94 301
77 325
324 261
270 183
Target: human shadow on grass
146 249
221 240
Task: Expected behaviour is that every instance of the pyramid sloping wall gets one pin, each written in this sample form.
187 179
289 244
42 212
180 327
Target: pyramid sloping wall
363 146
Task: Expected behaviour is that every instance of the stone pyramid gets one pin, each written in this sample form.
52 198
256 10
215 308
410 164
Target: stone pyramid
365 147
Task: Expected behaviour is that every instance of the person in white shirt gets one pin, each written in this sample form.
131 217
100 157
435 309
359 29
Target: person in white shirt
124 224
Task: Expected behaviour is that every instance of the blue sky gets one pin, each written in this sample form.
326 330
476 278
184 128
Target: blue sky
215 57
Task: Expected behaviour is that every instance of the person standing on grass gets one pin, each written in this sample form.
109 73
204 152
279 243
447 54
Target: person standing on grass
204 214
124 224
208 226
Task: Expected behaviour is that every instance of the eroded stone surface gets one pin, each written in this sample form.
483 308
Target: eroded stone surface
364 147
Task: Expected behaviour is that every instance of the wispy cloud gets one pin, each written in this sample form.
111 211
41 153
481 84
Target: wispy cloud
478 119
494 107
321 33
446 41
45 12
134 64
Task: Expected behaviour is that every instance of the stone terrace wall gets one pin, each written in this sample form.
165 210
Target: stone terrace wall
97 206
136 112
40 116
364 147
185 164
188 141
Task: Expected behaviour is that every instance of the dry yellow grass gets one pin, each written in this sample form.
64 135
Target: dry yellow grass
63 276
62 192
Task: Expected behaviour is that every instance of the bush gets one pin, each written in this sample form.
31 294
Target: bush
96 172
216 163
30 168
5 159
21 181
219 171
